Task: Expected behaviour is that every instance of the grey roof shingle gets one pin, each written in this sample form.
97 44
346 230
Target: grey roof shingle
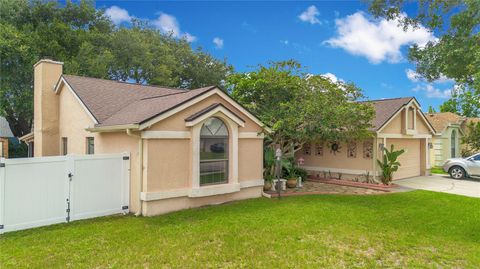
117 103
385 109
5 130
442 120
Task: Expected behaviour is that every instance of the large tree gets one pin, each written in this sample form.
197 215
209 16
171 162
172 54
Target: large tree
301 107
456 54
89 44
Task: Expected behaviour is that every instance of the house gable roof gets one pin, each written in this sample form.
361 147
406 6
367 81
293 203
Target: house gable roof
387 109
130 105
440 121
5 130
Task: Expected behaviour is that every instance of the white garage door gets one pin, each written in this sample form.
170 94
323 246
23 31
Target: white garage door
410 160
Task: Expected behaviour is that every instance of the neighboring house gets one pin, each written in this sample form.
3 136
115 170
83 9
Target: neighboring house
465 148
399 122
448 137
5 134
188 147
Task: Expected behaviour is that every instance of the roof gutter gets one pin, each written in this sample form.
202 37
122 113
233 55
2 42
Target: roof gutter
113 128
140 168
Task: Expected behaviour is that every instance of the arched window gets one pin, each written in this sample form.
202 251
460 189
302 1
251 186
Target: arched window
213 152
454 144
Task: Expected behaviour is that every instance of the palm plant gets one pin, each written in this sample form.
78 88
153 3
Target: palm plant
389 164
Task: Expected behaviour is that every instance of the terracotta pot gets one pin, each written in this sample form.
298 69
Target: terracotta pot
292 182
267 186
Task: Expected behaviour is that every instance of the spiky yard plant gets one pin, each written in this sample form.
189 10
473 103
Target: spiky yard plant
389 164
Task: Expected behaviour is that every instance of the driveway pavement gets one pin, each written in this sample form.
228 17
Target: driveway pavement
443 183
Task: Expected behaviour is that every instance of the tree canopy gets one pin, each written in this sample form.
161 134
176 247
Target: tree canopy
301 107
456 54
89 44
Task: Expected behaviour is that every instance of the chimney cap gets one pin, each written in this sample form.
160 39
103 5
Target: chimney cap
47 60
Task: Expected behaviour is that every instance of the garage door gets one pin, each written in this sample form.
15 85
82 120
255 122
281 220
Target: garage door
410 160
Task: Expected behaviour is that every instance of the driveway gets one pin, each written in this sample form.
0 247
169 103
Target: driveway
443 183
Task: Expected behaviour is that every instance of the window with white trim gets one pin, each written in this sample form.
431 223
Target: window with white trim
213 152
64 146
453 144
90 145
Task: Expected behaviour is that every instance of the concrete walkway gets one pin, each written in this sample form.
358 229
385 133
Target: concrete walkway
443 183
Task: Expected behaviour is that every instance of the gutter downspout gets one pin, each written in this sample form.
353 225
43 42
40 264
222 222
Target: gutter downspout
140 168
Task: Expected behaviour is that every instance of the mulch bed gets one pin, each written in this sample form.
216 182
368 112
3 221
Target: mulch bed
378 187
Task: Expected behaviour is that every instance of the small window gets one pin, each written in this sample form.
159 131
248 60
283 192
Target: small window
90 145
453 144
213 152
30 149
411 118
64 146
476 157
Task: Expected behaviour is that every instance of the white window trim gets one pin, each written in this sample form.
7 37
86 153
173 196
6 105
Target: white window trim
233 151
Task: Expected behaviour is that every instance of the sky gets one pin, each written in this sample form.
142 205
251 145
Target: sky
338 39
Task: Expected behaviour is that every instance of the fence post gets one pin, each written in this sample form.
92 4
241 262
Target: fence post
2 194
126 182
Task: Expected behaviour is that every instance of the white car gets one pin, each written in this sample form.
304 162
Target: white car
459 168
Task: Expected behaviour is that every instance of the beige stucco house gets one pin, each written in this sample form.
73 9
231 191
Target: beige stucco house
448 136
399 122
188 148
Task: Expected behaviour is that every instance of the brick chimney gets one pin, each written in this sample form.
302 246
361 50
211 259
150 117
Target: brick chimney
45 120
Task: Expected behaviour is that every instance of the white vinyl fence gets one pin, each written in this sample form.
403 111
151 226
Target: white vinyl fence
46 190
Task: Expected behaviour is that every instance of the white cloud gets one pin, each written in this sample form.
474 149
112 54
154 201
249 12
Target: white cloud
285 42
189 38
377 40
218 42
412 75
433 92
310 15
117 14
332 77
168 24
416 77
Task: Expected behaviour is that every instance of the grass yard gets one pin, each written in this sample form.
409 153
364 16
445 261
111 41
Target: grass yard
414 229
438 170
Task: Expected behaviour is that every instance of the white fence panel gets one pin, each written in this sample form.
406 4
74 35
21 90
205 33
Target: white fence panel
33 192
99 186
39 191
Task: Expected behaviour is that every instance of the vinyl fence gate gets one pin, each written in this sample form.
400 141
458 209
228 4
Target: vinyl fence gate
47 190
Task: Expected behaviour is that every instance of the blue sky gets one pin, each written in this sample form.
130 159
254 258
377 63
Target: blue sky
339 39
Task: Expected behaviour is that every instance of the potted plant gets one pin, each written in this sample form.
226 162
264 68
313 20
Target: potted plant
268 183
292 181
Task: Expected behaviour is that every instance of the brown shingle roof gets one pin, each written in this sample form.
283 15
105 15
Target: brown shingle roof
116 103
385 109
440 121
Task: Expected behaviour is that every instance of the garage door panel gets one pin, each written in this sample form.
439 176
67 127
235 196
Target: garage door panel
410 160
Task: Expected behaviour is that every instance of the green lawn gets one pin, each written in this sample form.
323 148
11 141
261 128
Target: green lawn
414 229
438 170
